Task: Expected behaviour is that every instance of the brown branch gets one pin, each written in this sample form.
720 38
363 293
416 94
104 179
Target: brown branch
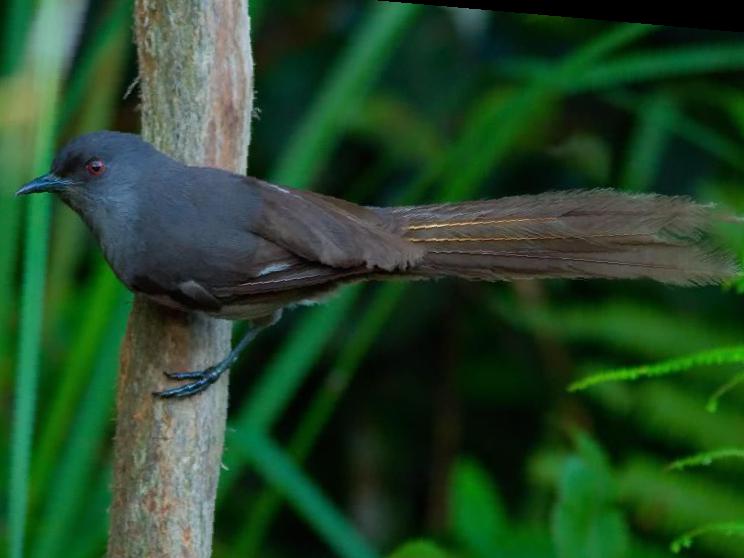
196 76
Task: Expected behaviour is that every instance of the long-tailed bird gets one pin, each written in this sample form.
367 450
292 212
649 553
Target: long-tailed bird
207 240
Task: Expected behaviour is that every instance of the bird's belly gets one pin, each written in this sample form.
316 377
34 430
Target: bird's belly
259 306
245 311
241 311
165 300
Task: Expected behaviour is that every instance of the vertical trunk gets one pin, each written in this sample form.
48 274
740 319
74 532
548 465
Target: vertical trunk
196 76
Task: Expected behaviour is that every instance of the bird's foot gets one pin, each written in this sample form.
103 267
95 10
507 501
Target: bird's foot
202 379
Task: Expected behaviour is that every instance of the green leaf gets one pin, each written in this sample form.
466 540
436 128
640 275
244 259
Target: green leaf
622 324
707 458
729 529
712 404
661 64
17 18
419 549
724 355
281 378
49 48
76 463
647 144
278 470
319 410
585 521
639 67
343 93
98 301
476 511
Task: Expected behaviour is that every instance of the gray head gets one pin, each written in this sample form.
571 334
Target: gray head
97 169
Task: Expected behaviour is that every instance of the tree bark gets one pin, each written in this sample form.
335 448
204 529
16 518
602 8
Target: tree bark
196 75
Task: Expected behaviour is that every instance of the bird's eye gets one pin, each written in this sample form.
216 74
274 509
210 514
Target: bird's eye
95 167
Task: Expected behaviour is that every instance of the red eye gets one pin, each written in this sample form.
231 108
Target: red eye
95 167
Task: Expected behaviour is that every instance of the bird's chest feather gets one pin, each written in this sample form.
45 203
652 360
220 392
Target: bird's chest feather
177 256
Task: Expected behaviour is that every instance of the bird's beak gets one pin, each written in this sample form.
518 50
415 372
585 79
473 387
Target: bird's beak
46 183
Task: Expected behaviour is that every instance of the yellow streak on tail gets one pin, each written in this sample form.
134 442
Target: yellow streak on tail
472 223
508 238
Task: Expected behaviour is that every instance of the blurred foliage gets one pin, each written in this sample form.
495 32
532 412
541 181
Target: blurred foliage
586 521
410 421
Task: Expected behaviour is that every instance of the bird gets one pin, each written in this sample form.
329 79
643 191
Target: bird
206 240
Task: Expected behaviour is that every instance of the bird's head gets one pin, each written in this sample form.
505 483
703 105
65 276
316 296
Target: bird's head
94 168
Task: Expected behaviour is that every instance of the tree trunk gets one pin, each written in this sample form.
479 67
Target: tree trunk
196 76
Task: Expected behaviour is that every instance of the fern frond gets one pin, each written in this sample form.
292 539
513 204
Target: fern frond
684 541
712 405
724 355
706 458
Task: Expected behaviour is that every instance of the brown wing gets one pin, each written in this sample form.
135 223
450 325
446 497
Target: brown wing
276 269
330 231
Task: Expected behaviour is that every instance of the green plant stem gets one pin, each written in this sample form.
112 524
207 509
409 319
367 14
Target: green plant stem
102 62
317 415
12 160
722 355
279 471
647 144
706 458
29 349
342 93
94 86
17 18
87 435
50 49
103 297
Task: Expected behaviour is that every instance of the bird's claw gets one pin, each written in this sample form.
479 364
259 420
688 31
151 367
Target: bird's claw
197 375
202 380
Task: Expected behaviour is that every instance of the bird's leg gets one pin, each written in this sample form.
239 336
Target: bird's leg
205 378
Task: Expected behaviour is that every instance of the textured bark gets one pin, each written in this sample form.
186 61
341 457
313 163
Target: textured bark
196 76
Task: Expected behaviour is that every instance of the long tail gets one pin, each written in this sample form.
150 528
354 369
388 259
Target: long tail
576 234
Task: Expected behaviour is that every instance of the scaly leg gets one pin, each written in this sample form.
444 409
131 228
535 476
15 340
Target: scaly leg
202 379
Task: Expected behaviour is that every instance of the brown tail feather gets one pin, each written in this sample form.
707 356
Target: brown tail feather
578 234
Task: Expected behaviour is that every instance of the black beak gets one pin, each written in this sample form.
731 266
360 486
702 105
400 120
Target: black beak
46 183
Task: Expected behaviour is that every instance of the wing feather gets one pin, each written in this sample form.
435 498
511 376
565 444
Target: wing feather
331 231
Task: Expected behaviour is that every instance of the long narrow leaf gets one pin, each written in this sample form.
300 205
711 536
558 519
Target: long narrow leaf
638 67
726 355
281 377
706 458
319 411
51 44
728 528
277 469
656 65
89 540
17 18
103 298
646 147
704 137
13 161
83 447
343 93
